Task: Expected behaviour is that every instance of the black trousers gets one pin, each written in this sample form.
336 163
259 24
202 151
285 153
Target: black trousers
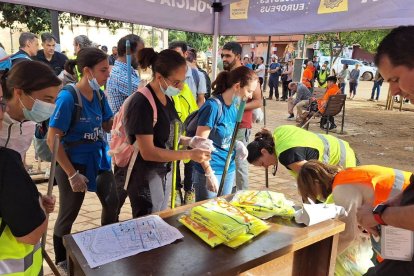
325 119
285 90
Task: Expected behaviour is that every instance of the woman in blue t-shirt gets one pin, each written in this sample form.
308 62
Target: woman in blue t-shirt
216 121
83 162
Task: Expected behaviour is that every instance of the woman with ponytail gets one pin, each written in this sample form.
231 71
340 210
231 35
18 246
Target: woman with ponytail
149 185
293 146
217 118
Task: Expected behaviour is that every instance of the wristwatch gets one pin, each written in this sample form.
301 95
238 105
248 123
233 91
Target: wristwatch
377 212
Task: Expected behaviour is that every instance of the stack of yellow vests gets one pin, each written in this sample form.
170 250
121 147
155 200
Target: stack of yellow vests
263 204
217 222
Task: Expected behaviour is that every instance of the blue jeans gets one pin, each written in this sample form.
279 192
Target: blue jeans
342 86
200 185
377 88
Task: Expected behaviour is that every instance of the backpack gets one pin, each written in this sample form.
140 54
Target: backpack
196 77
40 138
208 83
7 62
120 148
191 123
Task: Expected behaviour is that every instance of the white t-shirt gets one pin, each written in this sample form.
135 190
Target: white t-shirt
262 69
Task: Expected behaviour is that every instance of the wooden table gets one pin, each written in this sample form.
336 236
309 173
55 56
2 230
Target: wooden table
285 249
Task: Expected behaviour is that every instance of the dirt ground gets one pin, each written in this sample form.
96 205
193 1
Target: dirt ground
378 136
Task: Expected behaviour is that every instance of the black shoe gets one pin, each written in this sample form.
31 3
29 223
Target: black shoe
333 126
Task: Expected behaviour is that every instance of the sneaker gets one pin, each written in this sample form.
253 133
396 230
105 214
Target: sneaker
189 197
277 99
179 200
269 98
333 126
291 117
370 100
62 267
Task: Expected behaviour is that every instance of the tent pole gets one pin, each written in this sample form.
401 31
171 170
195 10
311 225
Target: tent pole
217 8
304 47
269 41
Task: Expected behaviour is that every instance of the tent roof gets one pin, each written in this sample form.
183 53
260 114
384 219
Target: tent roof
246 17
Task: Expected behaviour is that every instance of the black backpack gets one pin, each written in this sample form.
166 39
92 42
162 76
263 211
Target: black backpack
191 122
40 138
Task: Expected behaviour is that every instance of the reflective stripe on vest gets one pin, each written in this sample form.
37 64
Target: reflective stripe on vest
398 184
326 151
18 265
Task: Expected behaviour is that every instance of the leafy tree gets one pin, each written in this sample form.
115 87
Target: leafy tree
201 42
334 43
37 20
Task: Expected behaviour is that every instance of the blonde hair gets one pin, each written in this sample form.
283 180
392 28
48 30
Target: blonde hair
315 179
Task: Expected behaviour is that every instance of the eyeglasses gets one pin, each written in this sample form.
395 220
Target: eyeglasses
3 104
175 83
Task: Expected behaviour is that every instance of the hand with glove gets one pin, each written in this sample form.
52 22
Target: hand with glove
241 150
78 182
212 182
202 143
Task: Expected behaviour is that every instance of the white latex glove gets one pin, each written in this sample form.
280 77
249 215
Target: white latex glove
212 182
202 143
241 150
78 182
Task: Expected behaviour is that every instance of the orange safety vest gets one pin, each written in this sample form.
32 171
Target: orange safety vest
385 181
307 77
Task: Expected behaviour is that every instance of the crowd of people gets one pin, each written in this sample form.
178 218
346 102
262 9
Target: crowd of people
79 99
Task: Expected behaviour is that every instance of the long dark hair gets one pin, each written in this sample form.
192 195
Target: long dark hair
164 62
227 79
29 76
262 140
89 57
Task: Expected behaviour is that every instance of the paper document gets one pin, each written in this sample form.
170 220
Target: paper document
116 241
396 243
312 214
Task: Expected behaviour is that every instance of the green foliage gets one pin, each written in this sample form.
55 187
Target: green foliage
201 42
37 20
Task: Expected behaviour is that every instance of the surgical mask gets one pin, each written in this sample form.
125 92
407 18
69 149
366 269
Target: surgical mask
170 91
93 83
236 100
41 111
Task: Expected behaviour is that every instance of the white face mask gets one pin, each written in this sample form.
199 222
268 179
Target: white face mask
93 83
41 111
171 90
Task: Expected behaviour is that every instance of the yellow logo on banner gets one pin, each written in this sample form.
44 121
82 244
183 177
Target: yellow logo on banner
238 10
331 6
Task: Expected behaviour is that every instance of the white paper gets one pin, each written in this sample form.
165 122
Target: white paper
116 241
396 243
312 214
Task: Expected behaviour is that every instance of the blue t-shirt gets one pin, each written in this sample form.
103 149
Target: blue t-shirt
220 133
272 66
249 65
92 155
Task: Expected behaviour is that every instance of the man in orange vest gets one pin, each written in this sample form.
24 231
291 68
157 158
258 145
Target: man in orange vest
350 188
307 76
395 59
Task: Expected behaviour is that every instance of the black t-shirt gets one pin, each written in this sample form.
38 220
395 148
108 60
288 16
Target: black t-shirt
139 118
297 154
19 198
57 62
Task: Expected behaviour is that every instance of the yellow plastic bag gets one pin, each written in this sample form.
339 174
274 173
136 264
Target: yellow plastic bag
200 230
263 204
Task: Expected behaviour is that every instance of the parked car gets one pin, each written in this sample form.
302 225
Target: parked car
367 72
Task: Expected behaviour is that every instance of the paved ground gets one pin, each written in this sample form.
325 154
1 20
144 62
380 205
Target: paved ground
89 216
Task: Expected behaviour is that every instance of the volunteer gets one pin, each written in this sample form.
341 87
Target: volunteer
149 186
83 162
23 210
293 146
217 121
351 188
31 91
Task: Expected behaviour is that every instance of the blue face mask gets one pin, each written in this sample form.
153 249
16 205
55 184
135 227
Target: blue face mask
171 90
93 83
41 111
